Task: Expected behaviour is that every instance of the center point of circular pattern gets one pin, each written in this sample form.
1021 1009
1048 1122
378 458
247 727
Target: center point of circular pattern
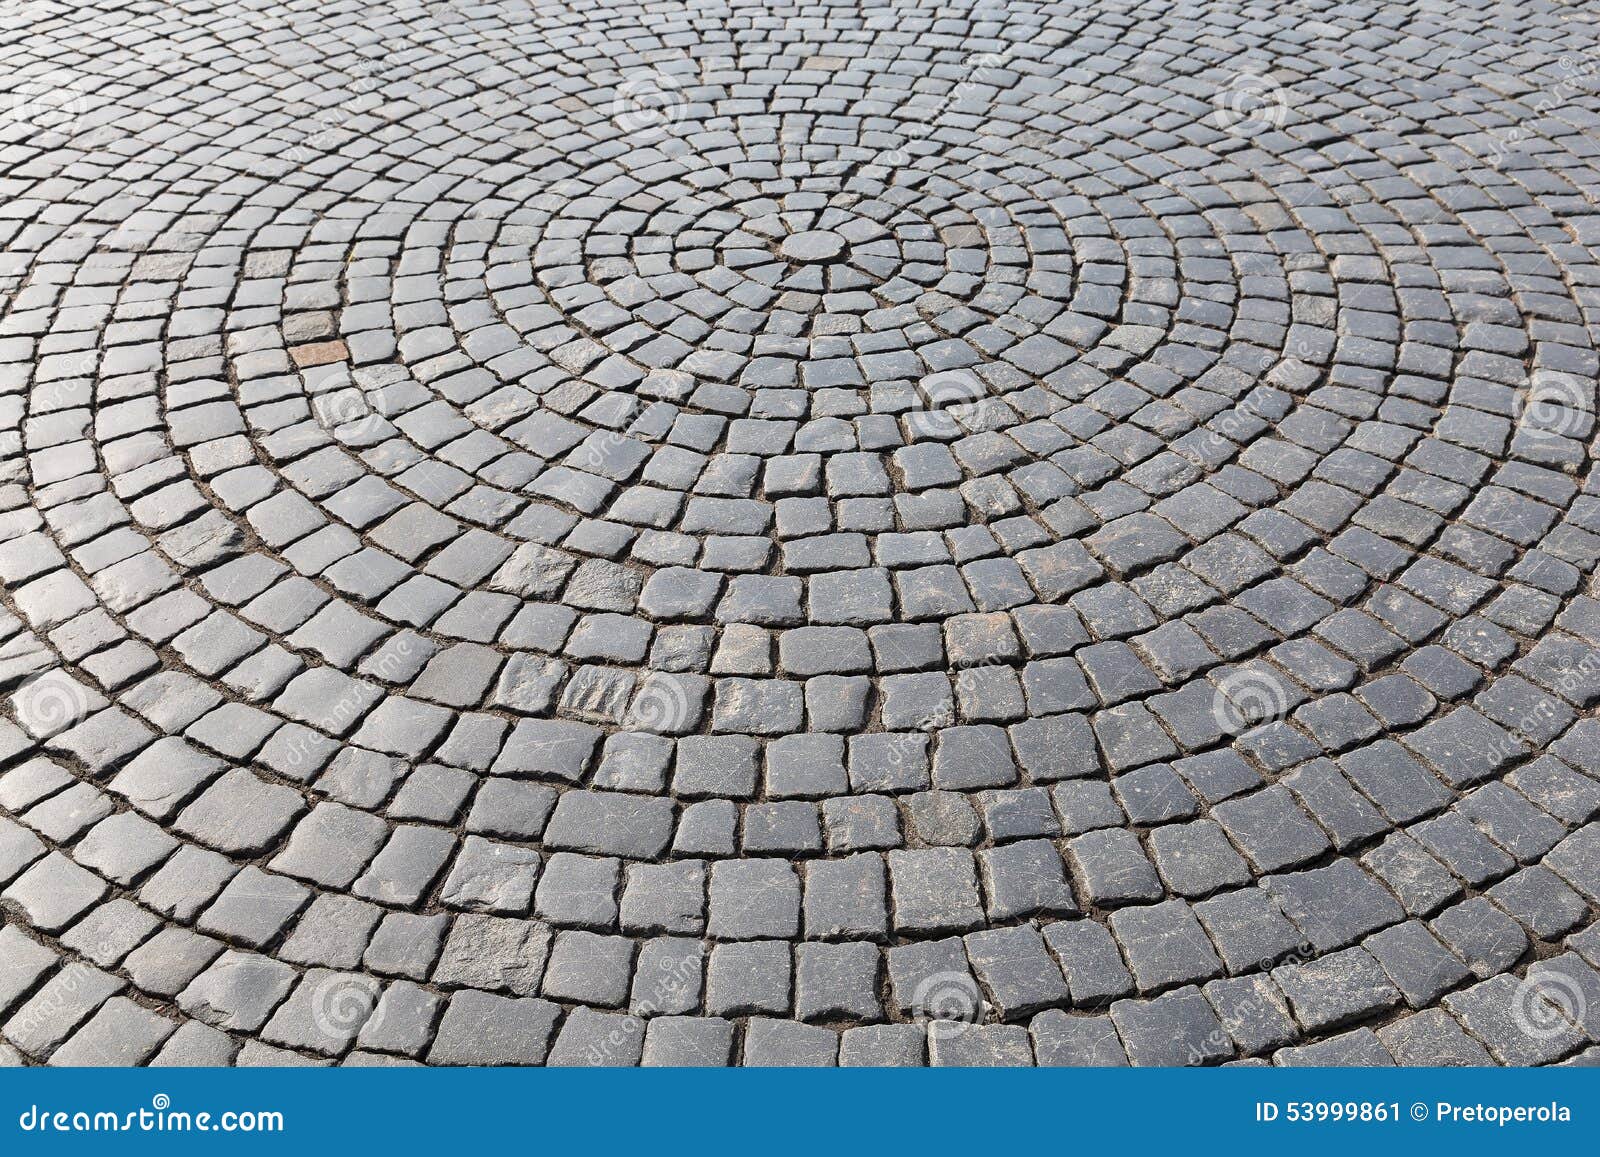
814 246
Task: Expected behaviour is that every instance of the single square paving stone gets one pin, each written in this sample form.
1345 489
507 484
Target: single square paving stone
1465 748
1020 976
1401 787
254 907
610 823
331 845
1165 945
1249 929
1111 868
772 1043
1512 822
332 932
1026 879
1576 860
1130 736
1196 859
669 977
716 766
1217 775
1334 906
932 980
707 828
1324 792
166 963
1055 748
754 899
1336 989
1570 984
1176 1028
1482 935
196 1045
1421 967
1090 960
749 978
238 992
1359 1048
1463 849
578 891
187 882
1085 805
837 982
121 1033
324 1013
943 818
883 1046
1421 882
857 823
785 827
1016 813
953 1045
105 936
495 953
479 1028
806 766
1254 1012
53 893
403 1021
1429 1038
667 898
1154 795
688 1041
590 1039
1271 829
1538 899
588 968
1063 1040
973 757
550 749
935 890
406 944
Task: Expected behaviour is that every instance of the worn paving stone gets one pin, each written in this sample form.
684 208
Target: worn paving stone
818 534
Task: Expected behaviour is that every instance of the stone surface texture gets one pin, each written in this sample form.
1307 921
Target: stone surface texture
986 533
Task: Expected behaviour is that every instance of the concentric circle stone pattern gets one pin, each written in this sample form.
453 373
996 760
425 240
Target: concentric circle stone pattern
858 532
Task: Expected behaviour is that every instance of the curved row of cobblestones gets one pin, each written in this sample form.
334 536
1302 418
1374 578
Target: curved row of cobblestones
1003 533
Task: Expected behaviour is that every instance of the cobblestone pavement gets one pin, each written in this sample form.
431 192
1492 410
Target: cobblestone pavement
872 533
